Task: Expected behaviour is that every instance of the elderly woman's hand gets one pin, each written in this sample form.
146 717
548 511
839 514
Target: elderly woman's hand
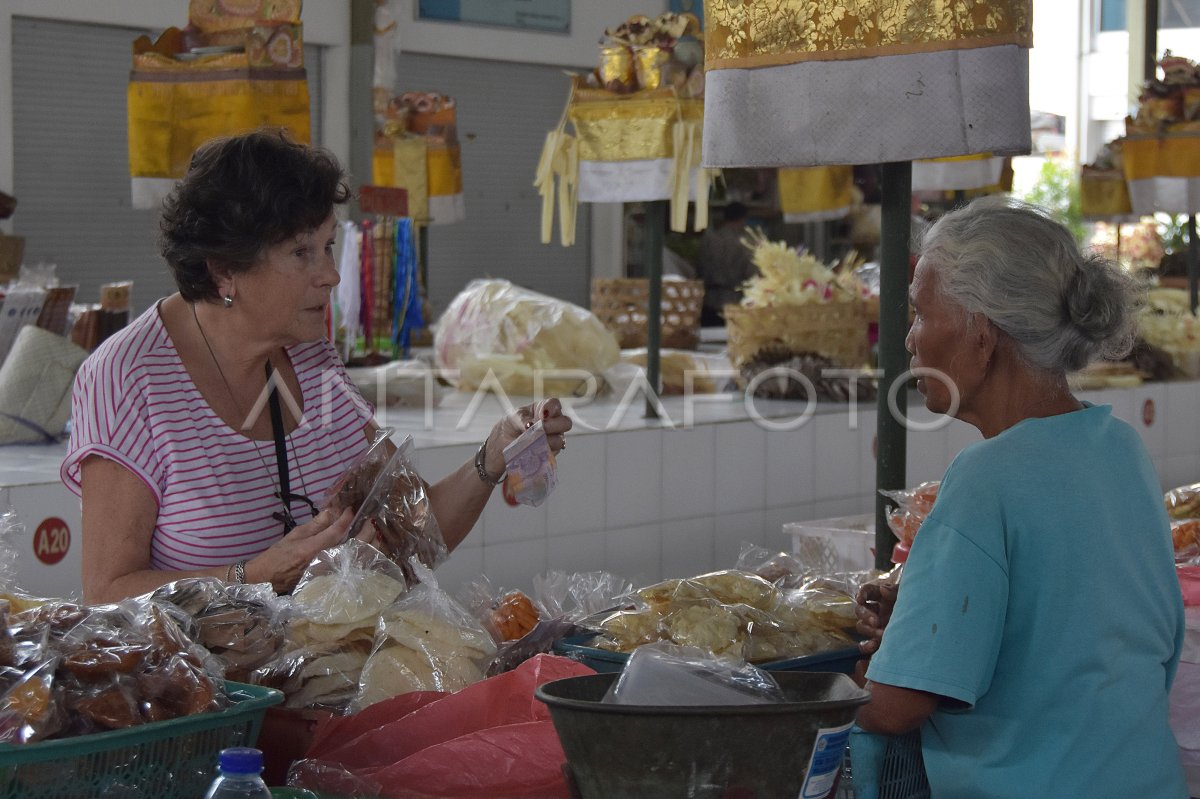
509 428
284 562
874 611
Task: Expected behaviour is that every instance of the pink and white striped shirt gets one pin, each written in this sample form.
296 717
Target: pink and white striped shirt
135 403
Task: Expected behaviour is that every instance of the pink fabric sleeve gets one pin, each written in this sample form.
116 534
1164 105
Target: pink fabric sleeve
110 418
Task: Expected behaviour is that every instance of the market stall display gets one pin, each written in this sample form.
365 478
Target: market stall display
417 149
1167 322
637 127
733 613
235 68
798 316
926 84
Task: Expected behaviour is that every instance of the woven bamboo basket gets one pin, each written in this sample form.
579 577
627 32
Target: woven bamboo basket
621 303
837 330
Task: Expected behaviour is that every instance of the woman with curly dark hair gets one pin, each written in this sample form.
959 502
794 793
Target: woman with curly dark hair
181 468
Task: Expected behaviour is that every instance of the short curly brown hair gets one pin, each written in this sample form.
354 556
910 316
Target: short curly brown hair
241 195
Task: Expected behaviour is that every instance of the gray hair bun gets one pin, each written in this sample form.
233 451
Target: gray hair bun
1023 271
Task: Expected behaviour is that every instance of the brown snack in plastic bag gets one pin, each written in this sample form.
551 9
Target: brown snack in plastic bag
239 624
1185 535
111 708
28 710
389 494
99 658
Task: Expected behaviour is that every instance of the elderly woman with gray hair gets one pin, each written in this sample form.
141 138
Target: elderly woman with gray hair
1039 624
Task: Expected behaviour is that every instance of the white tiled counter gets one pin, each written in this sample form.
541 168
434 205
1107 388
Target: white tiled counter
649 499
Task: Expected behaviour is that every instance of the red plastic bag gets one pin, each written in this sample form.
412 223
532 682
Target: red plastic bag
490 739
333 734
1189 583
515 761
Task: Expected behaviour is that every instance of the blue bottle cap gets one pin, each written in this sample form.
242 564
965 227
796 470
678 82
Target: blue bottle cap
241 760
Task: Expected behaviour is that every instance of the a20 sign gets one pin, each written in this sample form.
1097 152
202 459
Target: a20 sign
51 540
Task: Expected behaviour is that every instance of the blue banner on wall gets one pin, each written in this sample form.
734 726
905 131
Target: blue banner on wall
536 15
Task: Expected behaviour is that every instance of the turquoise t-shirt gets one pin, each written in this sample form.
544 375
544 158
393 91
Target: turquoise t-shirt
1040 598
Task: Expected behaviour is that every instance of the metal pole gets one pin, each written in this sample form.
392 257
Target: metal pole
362 78
1150 47
656 217
1193 262
896 186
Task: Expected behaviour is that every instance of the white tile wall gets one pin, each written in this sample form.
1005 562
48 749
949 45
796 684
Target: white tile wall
775 518
732 531
578 503
465 564
633 465
1183 419
959 435
791 468
689 468
741 467
836 465
1154 433
847 506
575 553
514 565
634 553
1121 400
687 547
1177 470
503 523
438 462
868 432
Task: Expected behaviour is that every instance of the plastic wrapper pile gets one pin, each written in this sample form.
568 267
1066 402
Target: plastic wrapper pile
912 506
69 669
732 613
360 634
498 335
242 626
523 627
1183 507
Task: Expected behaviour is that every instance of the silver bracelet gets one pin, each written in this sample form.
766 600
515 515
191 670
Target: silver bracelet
481 469
239 572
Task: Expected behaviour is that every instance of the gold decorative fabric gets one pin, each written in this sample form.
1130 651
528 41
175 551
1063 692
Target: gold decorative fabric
757 33
631 128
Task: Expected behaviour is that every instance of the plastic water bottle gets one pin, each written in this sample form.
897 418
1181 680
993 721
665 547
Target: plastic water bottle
239 778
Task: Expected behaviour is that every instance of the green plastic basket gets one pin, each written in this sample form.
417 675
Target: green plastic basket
174 759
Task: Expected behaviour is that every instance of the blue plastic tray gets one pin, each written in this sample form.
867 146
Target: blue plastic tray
605 662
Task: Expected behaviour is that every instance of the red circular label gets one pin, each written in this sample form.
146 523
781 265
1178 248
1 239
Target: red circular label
1148 412
51 540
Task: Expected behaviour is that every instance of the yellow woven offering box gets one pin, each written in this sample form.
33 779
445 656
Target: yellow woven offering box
836 330
1103 193
629 127
621 304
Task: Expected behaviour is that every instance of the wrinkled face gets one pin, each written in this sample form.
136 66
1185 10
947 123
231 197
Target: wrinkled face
288 290
941 339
